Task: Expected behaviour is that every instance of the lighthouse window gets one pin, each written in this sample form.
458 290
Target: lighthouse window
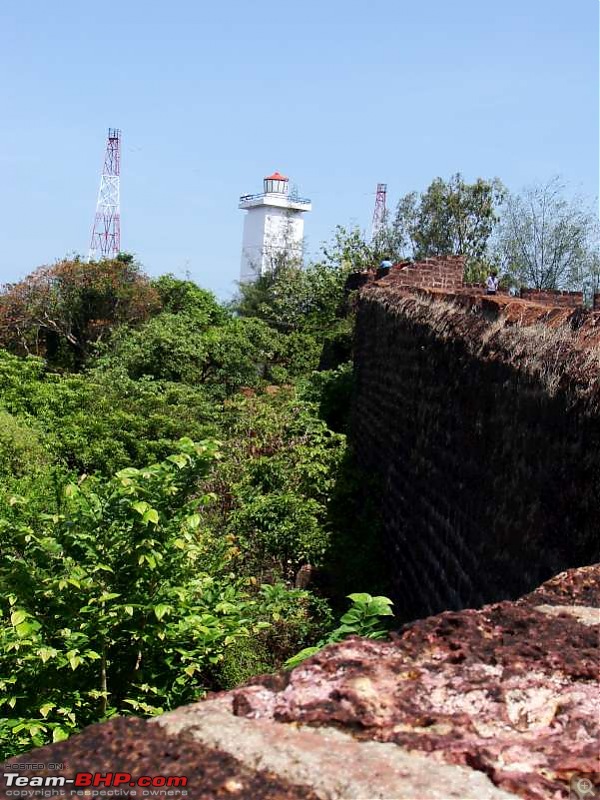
275 186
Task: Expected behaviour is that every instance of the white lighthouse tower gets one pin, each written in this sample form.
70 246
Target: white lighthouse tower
273 225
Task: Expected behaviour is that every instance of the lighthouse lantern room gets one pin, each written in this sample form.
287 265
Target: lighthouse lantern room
273 225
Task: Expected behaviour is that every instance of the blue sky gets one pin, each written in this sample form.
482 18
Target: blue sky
337 95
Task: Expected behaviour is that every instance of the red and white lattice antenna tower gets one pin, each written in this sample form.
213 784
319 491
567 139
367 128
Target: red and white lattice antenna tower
106 233
379 211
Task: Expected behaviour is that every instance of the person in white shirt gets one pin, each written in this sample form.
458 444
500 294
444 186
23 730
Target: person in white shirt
491 283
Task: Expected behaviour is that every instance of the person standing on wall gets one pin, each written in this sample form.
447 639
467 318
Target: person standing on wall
491 283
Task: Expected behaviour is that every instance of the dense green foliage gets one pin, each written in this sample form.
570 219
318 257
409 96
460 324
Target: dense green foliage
119 599
291 298
274 485
102 420
21 449
174 494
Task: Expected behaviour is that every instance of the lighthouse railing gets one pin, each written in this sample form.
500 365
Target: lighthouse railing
247 197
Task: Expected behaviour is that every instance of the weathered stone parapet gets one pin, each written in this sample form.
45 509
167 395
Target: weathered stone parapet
551 297
447 272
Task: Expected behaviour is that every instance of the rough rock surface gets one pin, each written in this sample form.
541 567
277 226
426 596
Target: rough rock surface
491 703
127 744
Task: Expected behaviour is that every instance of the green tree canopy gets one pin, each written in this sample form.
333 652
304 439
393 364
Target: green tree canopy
61 311
547 240
290 297
184 348
186 297
450 218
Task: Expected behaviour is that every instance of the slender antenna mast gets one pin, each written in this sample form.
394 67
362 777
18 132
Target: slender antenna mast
379 212
106 233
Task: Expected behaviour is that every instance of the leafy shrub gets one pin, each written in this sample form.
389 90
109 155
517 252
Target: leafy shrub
296 354
281 526
295 617
242 660
168 347
178 296
362 619
19 379
21 448
237 354
274 483
107 606
293 298
277 442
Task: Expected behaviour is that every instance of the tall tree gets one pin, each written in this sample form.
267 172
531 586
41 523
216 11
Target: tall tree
349 249
450 218
294 298
547 240
62 310
291 297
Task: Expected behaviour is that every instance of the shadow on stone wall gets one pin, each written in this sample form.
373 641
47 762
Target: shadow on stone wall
487 464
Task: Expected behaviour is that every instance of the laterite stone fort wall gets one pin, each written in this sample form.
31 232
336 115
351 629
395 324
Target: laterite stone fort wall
478 418
553 298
